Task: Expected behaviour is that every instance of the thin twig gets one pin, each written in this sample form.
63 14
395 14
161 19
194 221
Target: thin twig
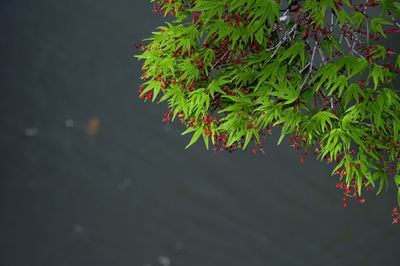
365 7
349 45
312 57
304 81
220 59
272 48
293 28
322 56
279 45
359 54
281 41
391 16
311 64
304 68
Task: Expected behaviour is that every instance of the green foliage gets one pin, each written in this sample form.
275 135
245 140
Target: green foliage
238 67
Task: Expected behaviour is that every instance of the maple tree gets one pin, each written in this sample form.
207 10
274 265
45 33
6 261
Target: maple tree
231 70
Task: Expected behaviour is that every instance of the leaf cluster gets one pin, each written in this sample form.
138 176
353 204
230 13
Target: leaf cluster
252 66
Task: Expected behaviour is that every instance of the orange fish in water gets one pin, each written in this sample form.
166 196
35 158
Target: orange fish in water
93 126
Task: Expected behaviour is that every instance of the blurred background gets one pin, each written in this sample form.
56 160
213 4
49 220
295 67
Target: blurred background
91 176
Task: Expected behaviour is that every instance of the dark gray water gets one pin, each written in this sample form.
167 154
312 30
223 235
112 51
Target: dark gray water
91 176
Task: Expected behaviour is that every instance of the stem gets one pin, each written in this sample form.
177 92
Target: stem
391 16
273 54
276 47
322 56
220 59
310 68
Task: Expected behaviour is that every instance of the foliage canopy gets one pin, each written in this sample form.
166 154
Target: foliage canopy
232 69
